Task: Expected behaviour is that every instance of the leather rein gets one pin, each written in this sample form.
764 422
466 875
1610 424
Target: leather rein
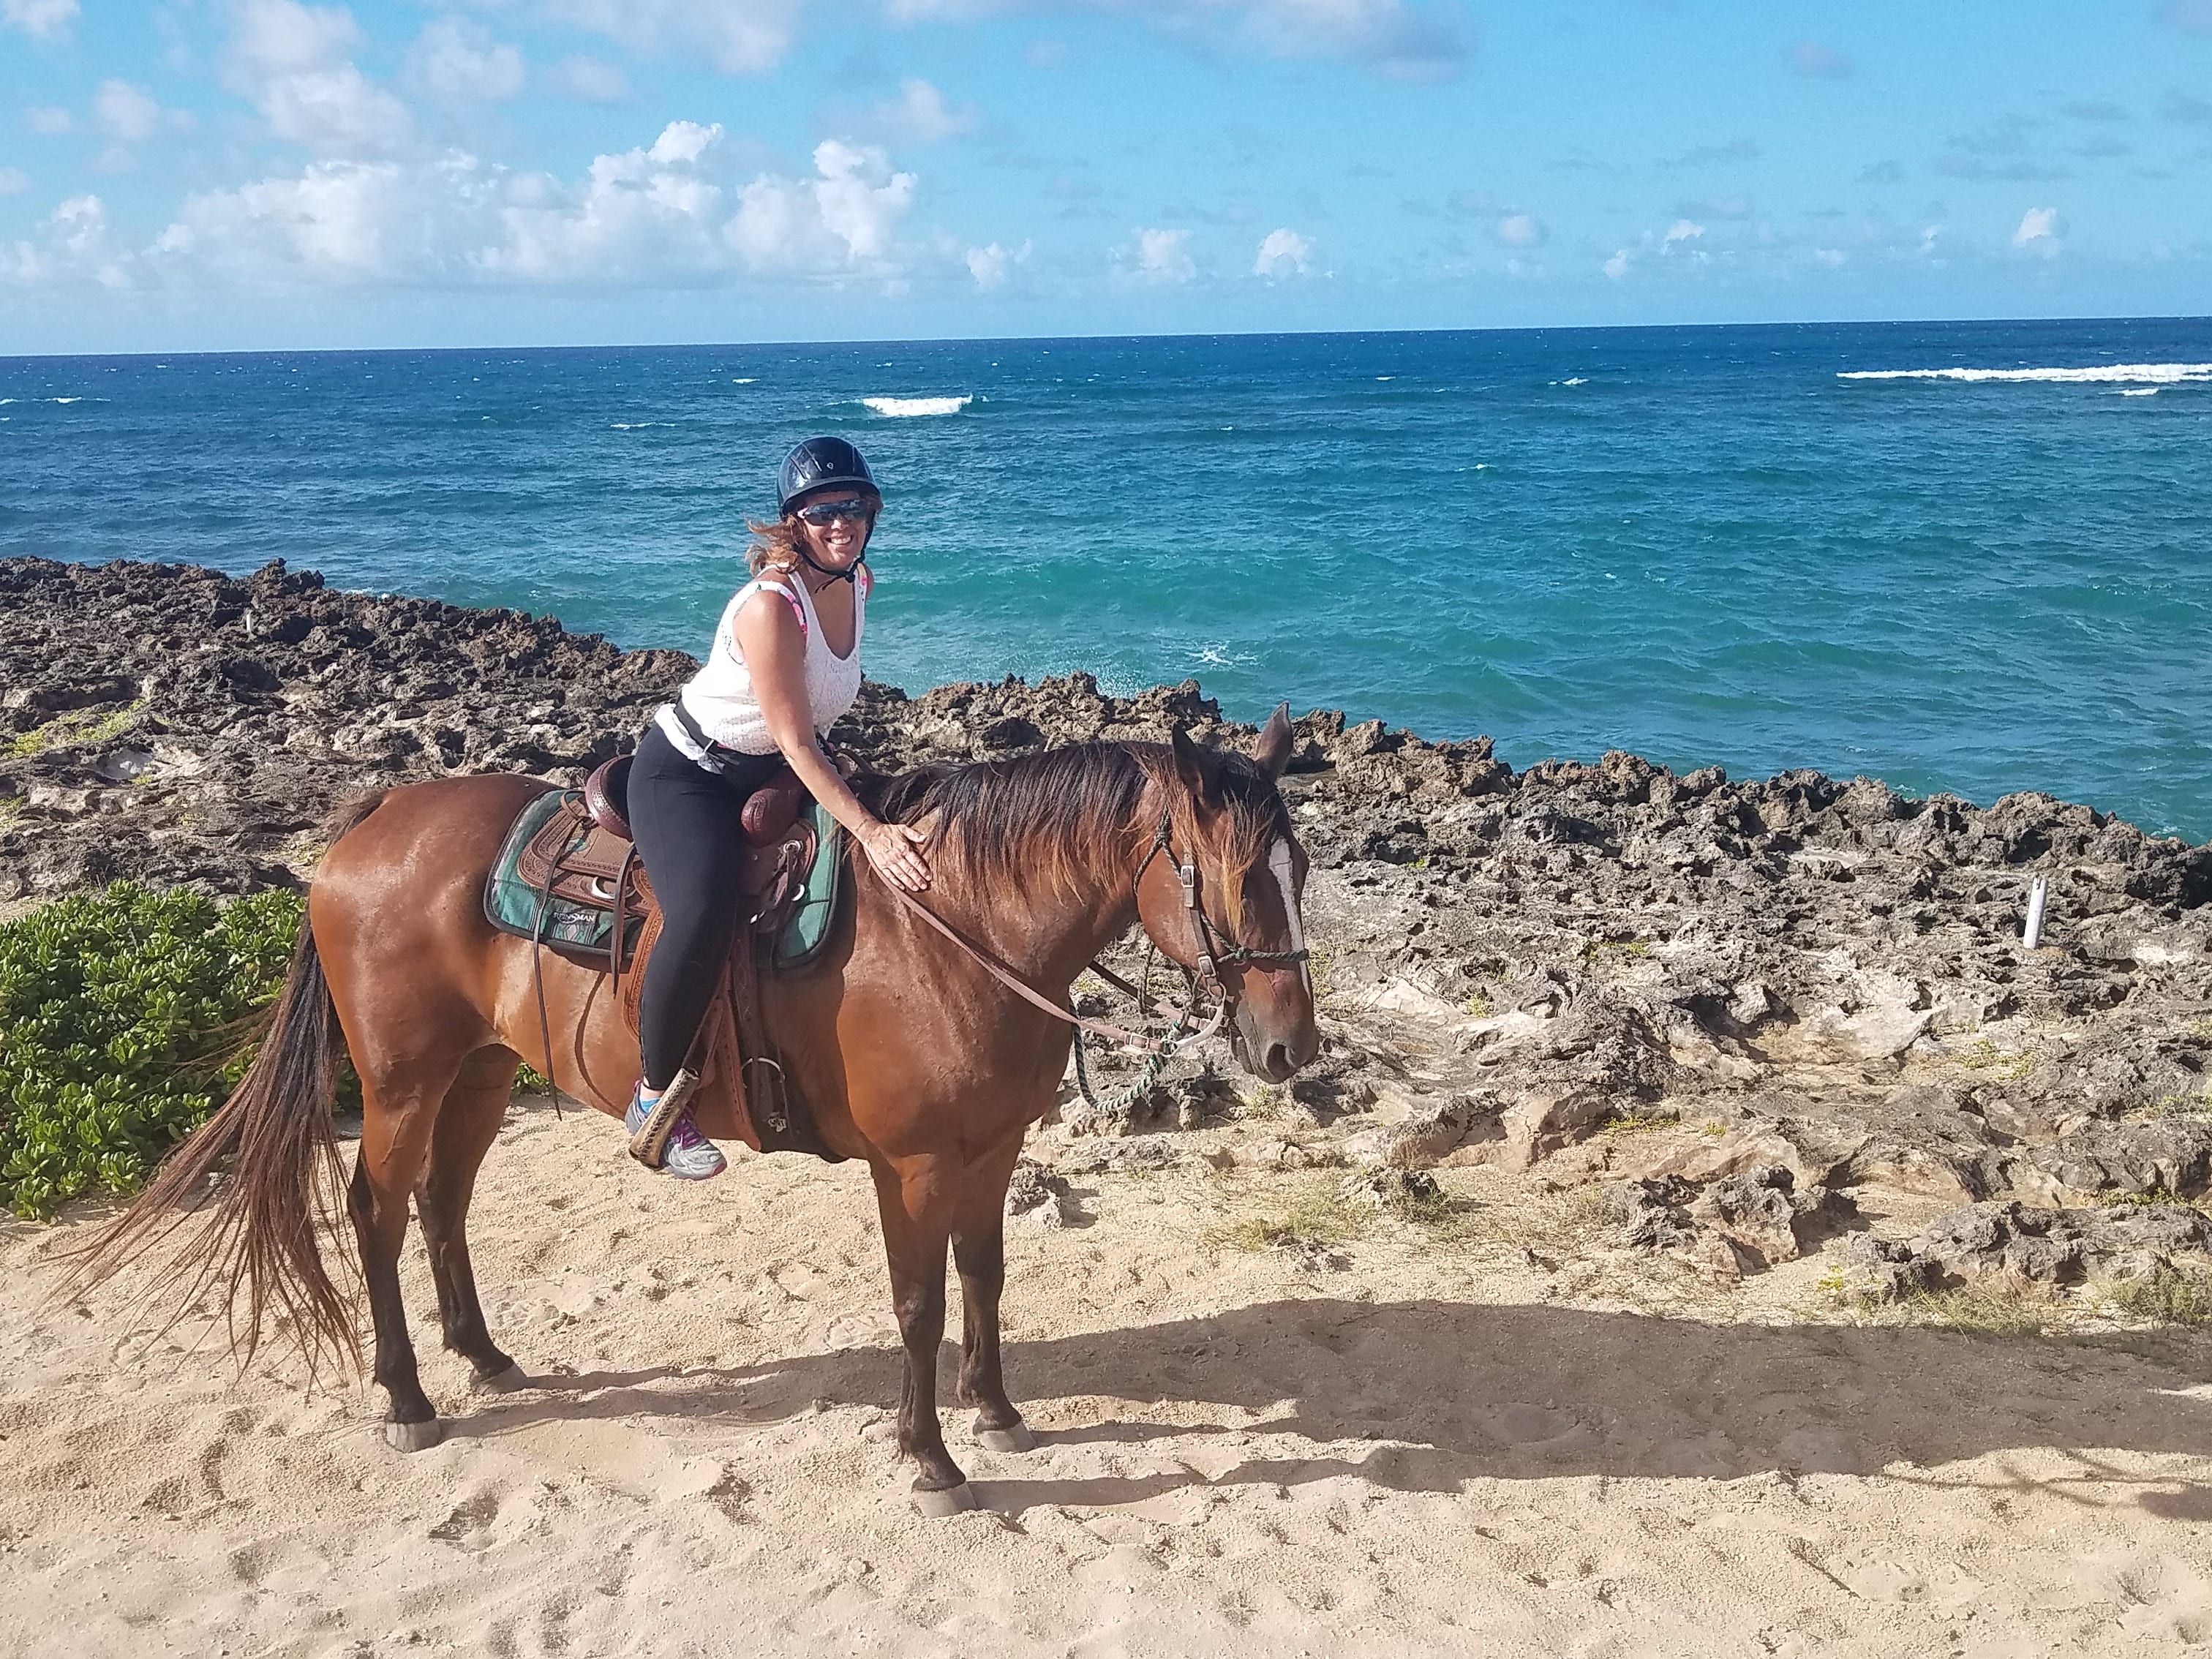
1212 955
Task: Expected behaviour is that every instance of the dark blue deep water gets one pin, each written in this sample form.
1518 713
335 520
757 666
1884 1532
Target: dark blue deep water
1704 544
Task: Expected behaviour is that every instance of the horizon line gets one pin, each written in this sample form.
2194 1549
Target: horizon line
1050 339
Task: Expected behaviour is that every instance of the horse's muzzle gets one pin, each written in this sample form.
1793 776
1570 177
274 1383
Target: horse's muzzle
1273 1057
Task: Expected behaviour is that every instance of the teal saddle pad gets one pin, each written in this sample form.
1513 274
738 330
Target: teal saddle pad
513 906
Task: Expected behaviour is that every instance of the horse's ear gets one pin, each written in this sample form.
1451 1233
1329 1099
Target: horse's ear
1200 772
1273 753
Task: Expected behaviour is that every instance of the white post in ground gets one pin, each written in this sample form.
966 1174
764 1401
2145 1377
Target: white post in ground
2031 935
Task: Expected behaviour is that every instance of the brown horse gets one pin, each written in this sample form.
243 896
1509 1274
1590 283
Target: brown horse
907 1051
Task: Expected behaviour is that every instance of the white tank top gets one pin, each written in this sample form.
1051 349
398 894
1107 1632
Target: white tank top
720 696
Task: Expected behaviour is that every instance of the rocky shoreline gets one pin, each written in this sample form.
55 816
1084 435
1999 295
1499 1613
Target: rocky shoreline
1734 1004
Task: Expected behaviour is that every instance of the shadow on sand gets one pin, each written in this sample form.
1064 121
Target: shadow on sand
1441 1393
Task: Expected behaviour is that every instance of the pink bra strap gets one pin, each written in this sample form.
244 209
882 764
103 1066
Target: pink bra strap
789 599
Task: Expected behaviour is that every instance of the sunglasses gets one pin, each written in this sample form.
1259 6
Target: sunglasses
828 513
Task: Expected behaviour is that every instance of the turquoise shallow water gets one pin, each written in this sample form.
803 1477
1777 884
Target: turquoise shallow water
1704 544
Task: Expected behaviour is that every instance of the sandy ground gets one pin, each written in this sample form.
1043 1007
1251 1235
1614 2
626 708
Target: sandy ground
1465 1444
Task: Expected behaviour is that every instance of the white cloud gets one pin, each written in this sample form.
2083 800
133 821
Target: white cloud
739 37
589 79
74 246
1390 35
1282 253
1810 57
675 213
458 62
858 196
338 220
49 121
1161 258
1617 266
291 60
338 112
669 212
991 266
1682 230
2041 231
921 115
124 114
2190 16
14 181
42 19
1830 257
1521 230
280 37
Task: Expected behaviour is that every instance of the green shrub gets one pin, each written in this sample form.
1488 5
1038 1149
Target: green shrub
121 1017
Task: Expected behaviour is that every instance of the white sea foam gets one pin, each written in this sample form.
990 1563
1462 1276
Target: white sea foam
635 426
64 400
2138 391
1573 379
897 407
745 381
4 402
2103 374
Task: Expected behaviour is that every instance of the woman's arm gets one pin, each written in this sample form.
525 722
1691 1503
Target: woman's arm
769 638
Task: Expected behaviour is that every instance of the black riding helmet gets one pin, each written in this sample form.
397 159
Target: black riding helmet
821 464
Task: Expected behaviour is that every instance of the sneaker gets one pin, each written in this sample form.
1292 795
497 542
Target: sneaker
662 1137
690 1155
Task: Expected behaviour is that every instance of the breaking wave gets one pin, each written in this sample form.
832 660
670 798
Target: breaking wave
2109 374
903 407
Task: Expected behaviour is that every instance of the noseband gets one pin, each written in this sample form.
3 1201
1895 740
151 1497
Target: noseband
1212 953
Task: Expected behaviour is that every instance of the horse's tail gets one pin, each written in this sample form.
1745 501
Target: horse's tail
258 1229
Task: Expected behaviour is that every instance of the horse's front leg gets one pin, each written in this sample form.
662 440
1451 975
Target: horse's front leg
915 1199
979 1247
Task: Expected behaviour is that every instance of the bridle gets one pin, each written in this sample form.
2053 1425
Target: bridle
1210 954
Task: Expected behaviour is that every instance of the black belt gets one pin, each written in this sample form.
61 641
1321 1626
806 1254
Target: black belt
714 757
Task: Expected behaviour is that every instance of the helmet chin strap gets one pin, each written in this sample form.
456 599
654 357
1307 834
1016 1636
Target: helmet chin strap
847 574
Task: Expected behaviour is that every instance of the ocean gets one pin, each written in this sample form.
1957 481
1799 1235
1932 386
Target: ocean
1971 557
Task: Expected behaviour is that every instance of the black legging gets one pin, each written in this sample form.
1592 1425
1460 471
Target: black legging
689 836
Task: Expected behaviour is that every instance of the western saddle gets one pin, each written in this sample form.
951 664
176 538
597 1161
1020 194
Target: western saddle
583 856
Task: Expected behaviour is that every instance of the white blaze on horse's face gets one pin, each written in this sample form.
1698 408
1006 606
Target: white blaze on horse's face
1278 860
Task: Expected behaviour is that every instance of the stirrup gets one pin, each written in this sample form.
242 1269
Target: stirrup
650 1143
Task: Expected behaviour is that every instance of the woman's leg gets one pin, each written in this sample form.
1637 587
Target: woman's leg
689 836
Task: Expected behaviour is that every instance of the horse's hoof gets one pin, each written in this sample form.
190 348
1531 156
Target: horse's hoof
414 1436
506 1382
1014 1437
950 1500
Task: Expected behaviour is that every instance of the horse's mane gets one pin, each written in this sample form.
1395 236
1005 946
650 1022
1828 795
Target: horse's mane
1052 816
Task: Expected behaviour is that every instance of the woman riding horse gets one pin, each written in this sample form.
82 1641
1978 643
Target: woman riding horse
925 1038
785 664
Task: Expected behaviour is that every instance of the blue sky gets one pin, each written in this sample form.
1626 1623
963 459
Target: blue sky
243 173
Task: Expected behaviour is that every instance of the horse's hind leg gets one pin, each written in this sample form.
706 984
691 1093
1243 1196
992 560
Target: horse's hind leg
468 1123
400 1105
979 1248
